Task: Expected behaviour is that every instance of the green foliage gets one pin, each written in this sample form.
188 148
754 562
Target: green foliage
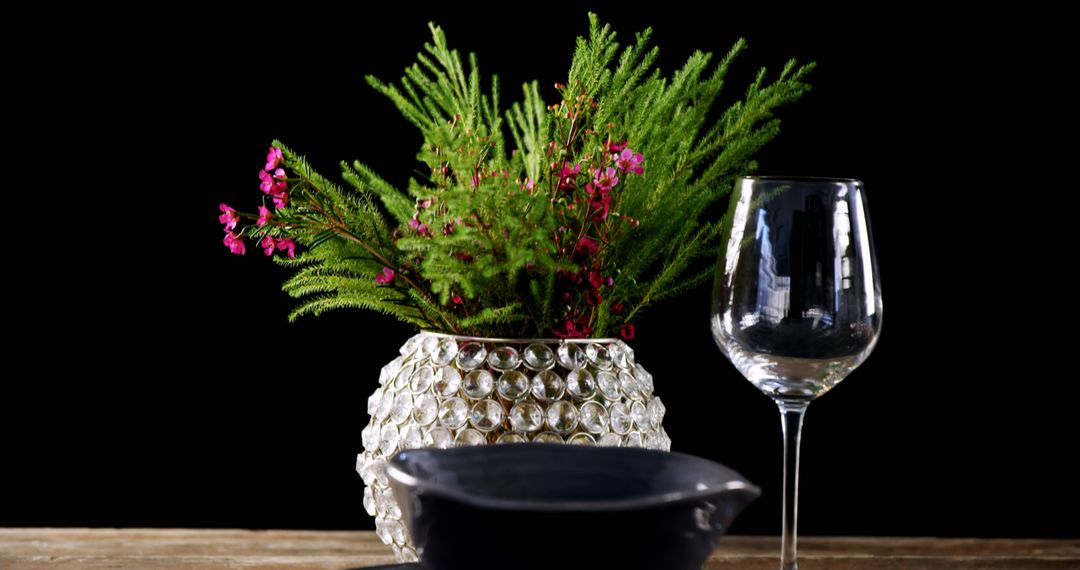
500 242
689 167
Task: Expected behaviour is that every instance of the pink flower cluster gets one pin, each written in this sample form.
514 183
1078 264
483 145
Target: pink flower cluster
420 227
272 178
568 176
582 284
584 232
284 245
235 243
273 183
229 217
599 191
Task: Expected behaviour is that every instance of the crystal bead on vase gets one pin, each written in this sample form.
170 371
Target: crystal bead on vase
449 391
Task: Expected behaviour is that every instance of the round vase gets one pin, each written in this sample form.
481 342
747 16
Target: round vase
445 391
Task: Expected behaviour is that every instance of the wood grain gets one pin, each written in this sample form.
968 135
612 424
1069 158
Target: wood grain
181 549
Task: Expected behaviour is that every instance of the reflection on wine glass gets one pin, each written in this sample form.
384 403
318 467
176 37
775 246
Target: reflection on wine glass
796 300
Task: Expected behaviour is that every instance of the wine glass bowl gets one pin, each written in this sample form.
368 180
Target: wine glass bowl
797 303
797 297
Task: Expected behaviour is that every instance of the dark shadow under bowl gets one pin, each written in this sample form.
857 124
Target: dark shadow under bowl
527 506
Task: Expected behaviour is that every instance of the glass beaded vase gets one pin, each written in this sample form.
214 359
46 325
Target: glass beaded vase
446 391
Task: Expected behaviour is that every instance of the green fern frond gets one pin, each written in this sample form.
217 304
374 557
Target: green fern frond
493 316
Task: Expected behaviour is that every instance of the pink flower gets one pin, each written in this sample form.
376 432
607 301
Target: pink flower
567 176
605 179
600 200
601 204
273 158
627 331
593 297
529 184
280 184
275 185
595 279
281 199
586 246
235 243
228 216
266 182
630 162
385 277
268 245
264 216
420 228
571 329
616 147
457 299
566 330
286 245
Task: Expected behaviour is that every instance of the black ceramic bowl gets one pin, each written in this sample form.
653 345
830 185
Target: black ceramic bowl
524 506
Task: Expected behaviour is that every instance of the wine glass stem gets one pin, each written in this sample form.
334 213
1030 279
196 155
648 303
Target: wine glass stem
791 419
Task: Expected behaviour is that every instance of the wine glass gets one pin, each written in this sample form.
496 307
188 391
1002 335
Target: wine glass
796 300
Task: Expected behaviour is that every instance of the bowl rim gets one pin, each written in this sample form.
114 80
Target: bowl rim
395 472
523 340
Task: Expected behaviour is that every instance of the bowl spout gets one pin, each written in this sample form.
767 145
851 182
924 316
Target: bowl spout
716 513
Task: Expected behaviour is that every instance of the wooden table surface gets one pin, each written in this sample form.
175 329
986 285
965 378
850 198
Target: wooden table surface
121 549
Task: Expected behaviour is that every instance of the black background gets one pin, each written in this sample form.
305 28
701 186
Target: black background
154 381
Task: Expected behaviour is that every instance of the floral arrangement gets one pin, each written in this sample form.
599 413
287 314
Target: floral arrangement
591 210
